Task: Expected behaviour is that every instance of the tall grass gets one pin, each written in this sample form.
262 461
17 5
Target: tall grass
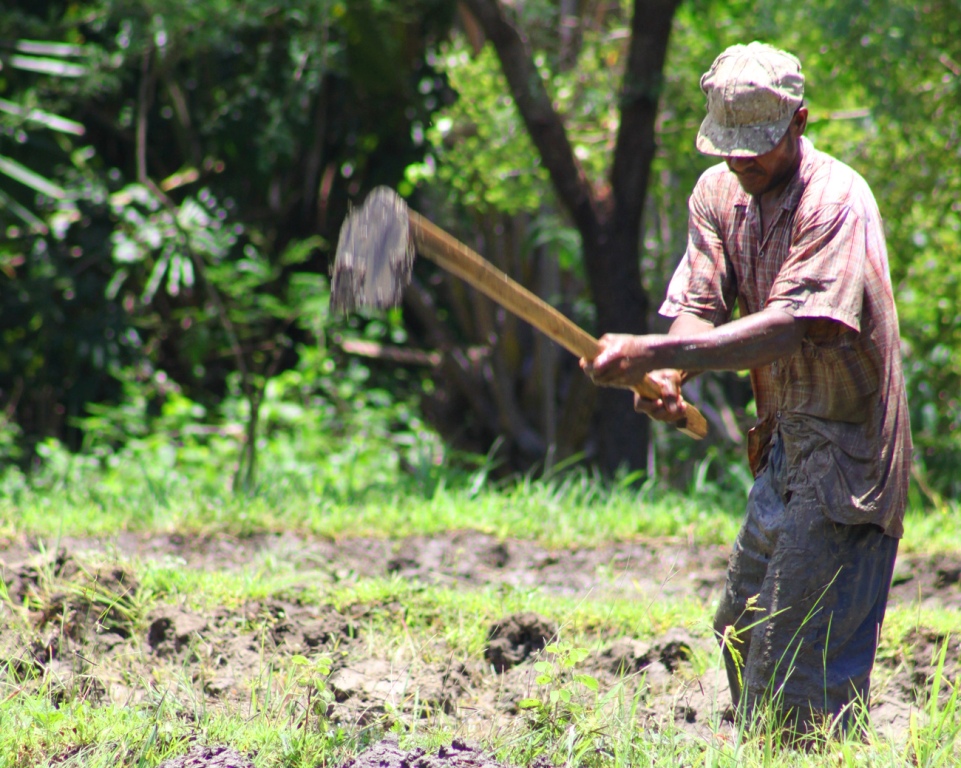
77 496
157 492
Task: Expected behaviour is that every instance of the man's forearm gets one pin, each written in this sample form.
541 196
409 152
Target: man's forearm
688 325
693 345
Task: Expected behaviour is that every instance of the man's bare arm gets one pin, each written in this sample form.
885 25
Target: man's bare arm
749 342
688 325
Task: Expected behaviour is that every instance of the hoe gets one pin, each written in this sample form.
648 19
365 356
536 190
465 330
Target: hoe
375 256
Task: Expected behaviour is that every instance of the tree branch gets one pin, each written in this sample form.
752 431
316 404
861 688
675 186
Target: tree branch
640 92
144 98
541 119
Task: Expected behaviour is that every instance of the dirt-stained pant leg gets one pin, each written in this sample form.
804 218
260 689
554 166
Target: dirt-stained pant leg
807 644
745 577
738 610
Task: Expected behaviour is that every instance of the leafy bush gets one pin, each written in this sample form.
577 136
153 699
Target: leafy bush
326 424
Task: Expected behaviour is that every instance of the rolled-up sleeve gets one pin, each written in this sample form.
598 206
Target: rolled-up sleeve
704 283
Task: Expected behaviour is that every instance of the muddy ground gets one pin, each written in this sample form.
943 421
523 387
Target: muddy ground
70 619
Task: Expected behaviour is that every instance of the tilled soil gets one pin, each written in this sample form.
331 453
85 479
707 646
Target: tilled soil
209 757
81 637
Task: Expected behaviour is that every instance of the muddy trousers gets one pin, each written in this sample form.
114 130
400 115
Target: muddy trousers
802 609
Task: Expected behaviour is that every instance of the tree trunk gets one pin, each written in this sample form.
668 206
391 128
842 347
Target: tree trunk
608 218
613 273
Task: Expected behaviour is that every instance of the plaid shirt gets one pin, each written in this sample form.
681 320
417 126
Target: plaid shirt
838 402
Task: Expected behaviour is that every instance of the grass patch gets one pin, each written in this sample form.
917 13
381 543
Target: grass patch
37 733
59 684
572 509
577 510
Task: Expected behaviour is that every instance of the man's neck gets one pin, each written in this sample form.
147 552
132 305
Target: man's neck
769 198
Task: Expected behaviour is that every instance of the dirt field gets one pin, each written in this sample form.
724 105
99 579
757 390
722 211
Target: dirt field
79 637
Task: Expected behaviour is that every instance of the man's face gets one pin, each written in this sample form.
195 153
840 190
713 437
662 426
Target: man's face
771 171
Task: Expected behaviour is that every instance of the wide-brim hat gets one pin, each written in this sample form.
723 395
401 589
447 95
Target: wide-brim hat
753 92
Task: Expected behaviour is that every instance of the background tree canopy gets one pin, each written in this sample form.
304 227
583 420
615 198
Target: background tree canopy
173 176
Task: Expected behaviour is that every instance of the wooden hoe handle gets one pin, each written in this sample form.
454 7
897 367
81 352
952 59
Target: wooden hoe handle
456 258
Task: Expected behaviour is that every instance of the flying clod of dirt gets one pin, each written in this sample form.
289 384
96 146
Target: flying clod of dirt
388 754
209 757
516 638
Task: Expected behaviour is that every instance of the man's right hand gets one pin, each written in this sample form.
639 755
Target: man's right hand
670 406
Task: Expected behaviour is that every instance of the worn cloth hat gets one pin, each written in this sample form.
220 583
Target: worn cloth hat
752 93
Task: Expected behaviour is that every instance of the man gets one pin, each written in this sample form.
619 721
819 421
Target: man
793 239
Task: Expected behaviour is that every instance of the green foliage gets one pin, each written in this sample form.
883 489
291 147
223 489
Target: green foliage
483 150
322 425
485 155
180 239
558 716
933 742
551 678
311 674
